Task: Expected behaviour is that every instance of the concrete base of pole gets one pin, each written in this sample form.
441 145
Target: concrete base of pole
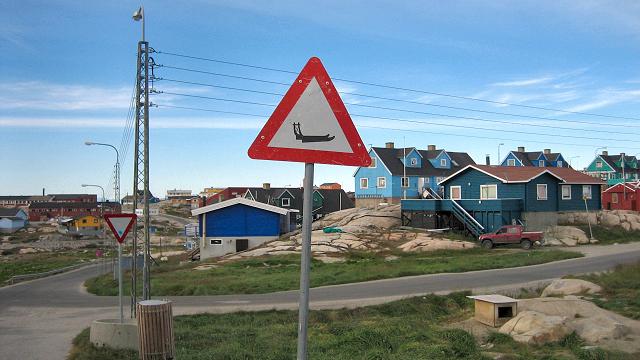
113 334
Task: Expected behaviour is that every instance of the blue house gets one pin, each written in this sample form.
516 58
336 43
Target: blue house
395 173
12 219
239 224
482 198
534 158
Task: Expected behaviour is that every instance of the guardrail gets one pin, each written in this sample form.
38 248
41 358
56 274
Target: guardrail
19 278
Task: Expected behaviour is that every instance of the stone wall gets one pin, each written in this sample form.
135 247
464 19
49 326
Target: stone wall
373 202
539 221
627 219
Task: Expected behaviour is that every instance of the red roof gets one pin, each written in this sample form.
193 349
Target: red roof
511 174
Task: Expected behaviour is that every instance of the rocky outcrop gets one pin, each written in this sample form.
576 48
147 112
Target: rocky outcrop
562 287
626 219
424 242
532 327
361 219
565 236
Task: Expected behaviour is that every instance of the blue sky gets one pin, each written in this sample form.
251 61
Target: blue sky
67 69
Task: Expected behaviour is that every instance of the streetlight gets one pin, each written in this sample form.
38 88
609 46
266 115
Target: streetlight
138 15
595 152
501 144
116 185
98 186
573 157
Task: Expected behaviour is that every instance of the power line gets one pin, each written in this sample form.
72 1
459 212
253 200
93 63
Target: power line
406 120
388 128
402 110
413 102
400 88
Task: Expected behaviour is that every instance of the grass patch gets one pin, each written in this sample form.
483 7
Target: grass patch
621 290
411 329
279 273
40 262
611 235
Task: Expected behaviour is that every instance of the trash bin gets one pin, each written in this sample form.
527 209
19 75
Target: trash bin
155 330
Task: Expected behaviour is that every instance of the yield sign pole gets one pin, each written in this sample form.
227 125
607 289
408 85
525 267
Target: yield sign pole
120 224
310 125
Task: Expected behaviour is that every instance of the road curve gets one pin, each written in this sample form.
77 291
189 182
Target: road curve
39 318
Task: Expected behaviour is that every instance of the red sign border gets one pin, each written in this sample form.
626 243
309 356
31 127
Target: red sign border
126 231
313 69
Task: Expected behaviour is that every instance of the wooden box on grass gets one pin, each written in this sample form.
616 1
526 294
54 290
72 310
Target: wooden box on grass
494 310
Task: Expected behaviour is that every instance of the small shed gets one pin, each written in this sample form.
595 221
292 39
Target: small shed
12 219
239 224
494 310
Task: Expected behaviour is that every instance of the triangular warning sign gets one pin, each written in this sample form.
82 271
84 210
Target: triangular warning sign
120 224
311 125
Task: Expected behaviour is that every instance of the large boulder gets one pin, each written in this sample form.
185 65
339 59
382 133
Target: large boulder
532 327
424 242
610 219
565 235
562 287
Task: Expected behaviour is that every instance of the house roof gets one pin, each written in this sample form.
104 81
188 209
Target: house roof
523 174
331 199
612 160
527 157
241 201
392 159
10 212
72 205
26 197
631 186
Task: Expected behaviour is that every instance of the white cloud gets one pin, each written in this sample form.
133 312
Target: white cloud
524 82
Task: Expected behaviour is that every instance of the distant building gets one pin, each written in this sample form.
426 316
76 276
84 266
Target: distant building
226 194
612 169
128 200
24 201
44 211
331 186
87 225
543 158
239 224
210 191
12 219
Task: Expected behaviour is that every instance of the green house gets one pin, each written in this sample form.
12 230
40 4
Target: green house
614 169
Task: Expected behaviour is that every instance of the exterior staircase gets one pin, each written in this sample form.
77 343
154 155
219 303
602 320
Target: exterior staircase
465 218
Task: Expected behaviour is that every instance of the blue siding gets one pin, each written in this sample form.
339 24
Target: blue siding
413 155
511 156
576 202
470 181
531 201
241 220
436 161
372 174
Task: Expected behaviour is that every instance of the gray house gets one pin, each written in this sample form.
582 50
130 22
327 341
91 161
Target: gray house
12 219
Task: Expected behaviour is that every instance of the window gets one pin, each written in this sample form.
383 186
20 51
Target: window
84 221
541 163
599 164
439 178
511 162
614 198
586 192
541 191
373 162
364 183
404 182
286 202
455 192
414 161
382 182
559 163
488 192
215 241
566 192
512 230
443 162
426 180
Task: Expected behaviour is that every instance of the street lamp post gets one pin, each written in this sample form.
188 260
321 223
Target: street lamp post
571 158
116 185
501 144
101 206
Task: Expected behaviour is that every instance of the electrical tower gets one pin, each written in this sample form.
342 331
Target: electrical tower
141 173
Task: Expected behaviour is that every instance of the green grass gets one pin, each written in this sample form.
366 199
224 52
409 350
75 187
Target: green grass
279 273
611 235
621 290
40 262
411 329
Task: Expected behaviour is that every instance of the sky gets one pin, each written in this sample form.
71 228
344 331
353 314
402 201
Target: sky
67 71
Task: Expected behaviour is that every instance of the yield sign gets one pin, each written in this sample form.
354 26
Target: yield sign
311 125
120 224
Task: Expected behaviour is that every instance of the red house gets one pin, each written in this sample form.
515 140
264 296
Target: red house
226 194
622 196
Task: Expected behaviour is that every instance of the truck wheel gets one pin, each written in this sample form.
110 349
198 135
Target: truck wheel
525 244
487 244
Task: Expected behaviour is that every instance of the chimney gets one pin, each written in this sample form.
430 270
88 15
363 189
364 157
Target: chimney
547 151
605 152
389 145
431 147
42 191
520 148
488 160
266 186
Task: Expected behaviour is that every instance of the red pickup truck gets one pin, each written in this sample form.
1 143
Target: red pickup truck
510 234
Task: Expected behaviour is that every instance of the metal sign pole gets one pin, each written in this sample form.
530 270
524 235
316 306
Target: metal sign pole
305 264
120 282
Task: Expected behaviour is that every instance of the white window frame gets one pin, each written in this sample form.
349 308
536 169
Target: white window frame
590 195
546 193
511 162
495 186
439 178
540 163
562 192
614 198
288 202
443 162
598 164
366 183
404 182
212 240
559 163
459 192
413 161
384 180
373 163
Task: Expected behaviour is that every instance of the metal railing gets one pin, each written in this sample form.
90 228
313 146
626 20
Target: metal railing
19 278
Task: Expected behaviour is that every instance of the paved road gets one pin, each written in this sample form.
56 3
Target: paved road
38 319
